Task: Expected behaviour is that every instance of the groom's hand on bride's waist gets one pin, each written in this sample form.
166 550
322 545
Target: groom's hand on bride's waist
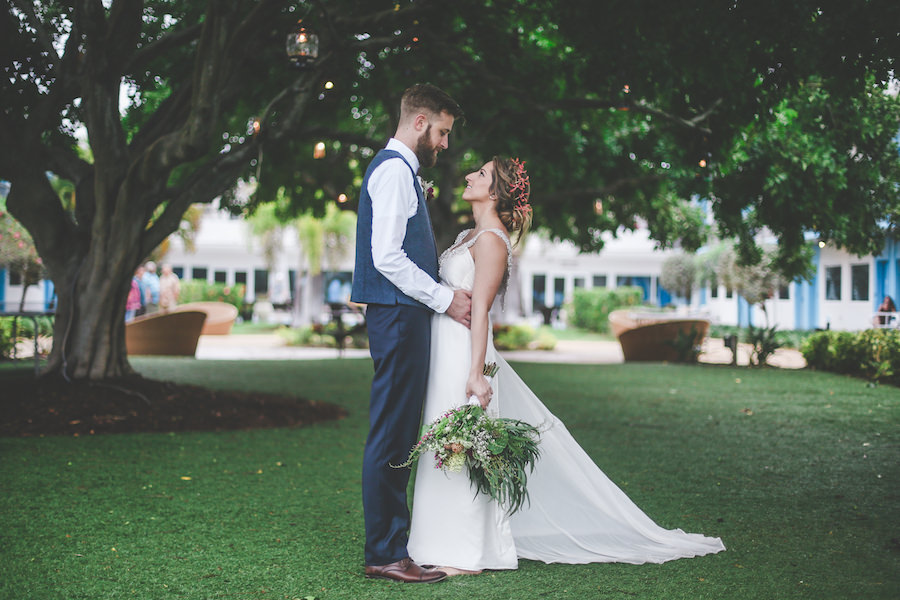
460 309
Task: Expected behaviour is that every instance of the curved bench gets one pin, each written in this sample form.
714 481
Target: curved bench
649 337
220 316
165 334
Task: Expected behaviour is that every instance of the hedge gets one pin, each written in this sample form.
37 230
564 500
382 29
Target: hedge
195 290
873 353
591 307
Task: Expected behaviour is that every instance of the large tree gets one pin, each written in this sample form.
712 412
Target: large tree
197 73
625 111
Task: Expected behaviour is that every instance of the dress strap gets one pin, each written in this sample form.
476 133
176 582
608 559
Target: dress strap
502 235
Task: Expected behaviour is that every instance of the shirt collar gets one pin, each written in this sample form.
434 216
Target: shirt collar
405 151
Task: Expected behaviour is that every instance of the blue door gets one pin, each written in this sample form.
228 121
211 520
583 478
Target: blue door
881 271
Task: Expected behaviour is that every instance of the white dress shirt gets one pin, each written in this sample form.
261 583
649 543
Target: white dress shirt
394 202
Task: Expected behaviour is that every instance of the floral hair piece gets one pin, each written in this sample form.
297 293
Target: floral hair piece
520 187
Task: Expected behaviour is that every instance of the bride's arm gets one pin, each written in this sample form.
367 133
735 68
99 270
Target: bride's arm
490 256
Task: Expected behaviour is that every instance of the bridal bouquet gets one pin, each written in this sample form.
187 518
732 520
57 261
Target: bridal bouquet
498 453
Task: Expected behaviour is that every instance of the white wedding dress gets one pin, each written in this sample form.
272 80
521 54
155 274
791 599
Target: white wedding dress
575 515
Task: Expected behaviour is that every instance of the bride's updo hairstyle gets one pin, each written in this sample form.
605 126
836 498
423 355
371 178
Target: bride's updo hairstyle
511 187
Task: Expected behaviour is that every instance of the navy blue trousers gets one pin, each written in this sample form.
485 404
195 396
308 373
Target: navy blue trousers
400 344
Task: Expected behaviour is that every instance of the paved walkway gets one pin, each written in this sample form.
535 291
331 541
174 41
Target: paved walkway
272 347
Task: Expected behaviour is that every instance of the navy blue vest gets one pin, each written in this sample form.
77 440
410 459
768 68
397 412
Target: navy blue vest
370 286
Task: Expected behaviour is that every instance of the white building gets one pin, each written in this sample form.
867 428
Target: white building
843 295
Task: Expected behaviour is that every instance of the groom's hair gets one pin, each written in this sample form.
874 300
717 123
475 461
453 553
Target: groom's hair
428 98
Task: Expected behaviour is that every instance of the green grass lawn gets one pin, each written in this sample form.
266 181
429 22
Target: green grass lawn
246 327
796 471
574 333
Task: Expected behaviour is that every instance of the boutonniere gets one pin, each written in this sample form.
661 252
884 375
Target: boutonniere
427 188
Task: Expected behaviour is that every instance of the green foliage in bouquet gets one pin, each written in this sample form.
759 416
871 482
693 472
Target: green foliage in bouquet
498 453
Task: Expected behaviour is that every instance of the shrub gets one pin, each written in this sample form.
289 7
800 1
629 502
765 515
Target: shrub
591 308
873 354
545 341
815 351
193 290
844 353
6 338
765 343
513 337
24 329
880 351
323 336
687 345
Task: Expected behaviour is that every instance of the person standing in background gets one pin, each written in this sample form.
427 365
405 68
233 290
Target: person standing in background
139 277
169 289
133 303
151 288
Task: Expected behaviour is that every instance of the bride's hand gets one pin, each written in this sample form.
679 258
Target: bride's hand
479 386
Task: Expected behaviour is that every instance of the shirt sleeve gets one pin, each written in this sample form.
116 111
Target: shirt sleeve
394 202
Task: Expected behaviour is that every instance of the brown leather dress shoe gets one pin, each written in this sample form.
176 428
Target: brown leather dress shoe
404 570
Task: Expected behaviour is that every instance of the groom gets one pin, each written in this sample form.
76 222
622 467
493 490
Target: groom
396 276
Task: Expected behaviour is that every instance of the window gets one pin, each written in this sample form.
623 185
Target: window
538 291
240 277
784 292
220 277
578 282
199 273
832 283
713 288
729 293
15 278
599 281
179 271
859 282
261 281
559 291
635 281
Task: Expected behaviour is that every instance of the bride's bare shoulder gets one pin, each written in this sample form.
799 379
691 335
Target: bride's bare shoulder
493 248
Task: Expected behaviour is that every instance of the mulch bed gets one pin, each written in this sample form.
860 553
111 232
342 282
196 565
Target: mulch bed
53 406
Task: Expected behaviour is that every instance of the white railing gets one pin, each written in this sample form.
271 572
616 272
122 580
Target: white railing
886 320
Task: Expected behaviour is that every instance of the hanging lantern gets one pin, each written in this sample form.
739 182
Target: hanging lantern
302 46
319 150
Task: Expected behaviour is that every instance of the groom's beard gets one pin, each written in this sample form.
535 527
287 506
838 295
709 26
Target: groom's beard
425 151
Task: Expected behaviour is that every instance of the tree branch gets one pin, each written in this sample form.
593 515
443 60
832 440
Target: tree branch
219 172
165 43
601 192
46 41
207 182
124 30
641 106
694 123
349 137
65 85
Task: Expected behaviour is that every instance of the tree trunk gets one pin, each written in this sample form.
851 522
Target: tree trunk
92 287
135 191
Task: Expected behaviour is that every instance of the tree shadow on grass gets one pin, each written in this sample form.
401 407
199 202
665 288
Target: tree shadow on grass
53 406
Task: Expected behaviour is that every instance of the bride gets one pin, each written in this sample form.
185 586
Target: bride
575 514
